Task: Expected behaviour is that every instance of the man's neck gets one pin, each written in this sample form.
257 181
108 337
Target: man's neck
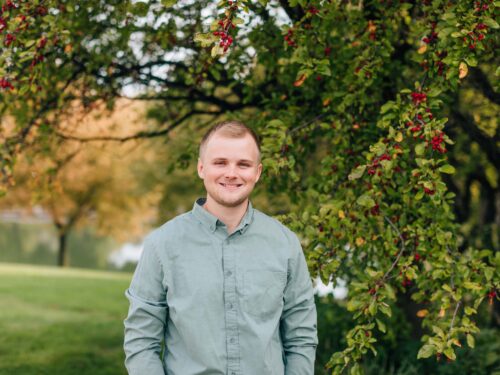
231 216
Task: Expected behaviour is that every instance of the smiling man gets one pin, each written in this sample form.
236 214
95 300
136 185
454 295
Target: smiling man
224 288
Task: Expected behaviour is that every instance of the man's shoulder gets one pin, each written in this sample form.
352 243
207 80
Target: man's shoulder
170 230
273 226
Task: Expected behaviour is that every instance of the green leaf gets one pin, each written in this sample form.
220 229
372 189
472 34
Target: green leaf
385 309
469 310
390 291
386 107
472 286
168 3
471 61
237 21
426 351
23 90
366 201
470 341
450 353
434 92
140 9
381 326
419 195
357 173
491 23
206 40
447 168
356 369
420 149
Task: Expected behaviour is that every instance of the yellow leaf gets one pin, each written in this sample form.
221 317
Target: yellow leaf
441 313
360 241
68 48
463 69
422 49
341 214
300 81
371 26
422 313
326 102
399 137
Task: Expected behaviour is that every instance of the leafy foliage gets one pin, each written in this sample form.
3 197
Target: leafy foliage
354 101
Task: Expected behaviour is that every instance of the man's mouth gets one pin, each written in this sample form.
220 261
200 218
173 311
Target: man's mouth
231 186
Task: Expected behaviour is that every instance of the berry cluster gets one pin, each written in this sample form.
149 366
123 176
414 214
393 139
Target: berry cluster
474 36
225 25
432 37
225 39
289 38
5 84
25 11
313 10
480 7
376 164
440 64
429 191
418 97
437 142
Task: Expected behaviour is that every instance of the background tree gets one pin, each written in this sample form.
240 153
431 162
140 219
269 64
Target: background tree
89 184
356 102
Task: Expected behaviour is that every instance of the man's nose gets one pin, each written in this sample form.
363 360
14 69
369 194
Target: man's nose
231 171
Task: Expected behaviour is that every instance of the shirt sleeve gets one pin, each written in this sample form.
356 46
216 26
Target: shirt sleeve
298 321
146 319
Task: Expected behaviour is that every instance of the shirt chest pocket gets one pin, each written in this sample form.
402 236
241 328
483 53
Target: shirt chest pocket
263 292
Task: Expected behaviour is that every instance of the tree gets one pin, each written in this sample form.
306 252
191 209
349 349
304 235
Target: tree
91 184
351 99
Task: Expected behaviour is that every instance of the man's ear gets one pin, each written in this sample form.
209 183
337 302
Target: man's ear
199 167
259 172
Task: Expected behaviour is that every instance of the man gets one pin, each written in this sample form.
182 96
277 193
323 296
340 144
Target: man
224 287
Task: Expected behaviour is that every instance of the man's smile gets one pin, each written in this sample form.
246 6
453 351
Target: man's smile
230 186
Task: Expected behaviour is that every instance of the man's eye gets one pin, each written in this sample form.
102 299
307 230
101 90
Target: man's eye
219 163
245 165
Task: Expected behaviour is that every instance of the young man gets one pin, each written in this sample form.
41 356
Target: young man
225 287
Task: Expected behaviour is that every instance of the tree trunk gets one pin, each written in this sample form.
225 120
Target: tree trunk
62 253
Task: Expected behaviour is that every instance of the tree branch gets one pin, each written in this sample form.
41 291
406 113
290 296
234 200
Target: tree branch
479 80
141 134
488 144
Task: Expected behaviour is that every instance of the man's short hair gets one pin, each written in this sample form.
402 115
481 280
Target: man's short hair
230 129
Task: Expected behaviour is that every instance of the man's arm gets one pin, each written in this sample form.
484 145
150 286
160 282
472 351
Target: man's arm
298 320
145 323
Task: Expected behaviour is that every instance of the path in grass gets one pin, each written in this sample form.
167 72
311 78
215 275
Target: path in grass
61 321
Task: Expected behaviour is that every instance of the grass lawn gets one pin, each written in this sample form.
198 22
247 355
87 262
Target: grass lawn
61 321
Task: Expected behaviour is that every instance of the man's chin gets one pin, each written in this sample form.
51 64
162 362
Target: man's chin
231 203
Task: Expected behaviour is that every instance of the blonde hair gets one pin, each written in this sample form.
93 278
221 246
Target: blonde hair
230 129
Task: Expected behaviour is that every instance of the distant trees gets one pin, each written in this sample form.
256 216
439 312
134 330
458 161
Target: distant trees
89 184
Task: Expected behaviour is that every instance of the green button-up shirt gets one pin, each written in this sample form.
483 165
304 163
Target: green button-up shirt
237 304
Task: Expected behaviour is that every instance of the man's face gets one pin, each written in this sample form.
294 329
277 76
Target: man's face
229 168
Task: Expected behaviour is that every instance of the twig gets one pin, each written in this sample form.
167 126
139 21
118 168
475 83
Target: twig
454 316
403 248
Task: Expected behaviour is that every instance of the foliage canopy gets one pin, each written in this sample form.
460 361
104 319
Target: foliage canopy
366 109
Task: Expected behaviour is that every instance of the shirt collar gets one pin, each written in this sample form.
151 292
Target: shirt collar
211 221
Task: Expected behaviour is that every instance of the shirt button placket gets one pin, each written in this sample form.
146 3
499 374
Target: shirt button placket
231 314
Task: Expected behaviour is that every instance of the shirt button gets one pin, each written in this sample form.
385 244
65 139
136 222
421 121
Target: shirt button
228 273
229 306
231 340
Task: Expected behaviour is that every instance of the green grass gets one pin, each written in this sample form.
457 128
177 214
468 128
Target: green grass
61 321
